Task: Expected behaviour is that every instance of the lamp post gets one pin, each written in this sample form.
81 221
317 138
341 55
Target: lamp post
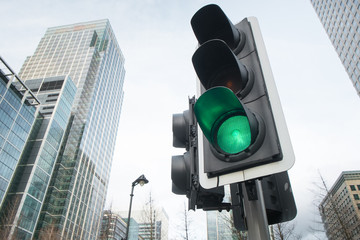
140 180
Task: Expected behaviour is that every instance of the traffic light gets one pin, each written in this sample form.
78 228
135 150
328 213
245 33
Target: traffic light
278 199
184 168
238 110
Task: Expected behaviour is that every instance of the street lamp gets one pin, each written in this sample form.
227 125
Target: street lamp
140 180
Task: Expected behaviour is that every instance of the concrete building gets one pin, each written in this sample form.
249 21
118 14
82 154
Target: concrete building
341 20
77 72
340 209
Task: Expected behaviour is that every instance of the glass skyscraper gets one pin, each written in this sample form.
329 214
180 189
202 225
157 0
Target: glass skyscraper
17 116
82 64
27 190
341 20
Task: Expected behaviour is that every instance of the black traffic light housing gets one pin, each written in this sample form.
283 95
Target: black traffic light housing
240 138
227 57
184 168
210 22
278 197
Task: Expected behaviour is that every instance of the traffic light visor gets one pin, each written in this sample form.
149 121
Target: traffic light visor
210 22
223 120
216 65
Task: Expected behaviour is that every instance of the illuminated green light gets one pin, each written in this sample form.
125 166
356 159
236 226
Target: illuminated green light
223 120
234 135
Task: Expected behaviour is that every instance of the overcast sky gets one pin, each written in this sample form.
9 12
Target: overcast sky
320 104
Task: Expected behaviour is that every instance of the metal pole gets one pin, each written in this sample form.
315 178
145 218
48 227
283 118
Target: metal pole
256 214
128 220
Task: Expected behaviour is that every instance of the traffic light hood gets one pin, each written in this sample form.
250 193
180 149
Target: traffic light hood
216 65
210 22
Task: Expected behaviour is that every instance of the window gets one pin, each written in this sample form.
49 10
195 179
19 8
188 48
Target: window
352 187
356 197
358 186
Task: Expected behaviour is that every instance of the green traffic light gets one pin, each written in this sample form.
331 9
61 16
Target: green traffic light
223 120
234 135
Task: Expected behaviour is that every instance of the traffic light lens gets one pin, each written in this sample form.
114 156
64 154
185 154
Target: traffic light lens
224 121
234 135
230 78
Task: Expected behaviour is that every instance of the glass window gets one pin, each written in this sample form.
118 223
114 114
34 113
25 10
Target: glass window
2 87
352 187
356 197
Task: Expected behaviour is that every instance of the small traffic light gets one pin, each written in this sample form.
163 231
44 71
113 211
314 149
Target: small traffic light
184 168
238 110
278 200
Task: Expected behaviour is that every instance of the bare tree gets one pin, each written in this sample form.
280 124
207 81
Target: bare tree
50 232
8 218
228 218
279 231
184 227
284 231
329 210
149 219
186 220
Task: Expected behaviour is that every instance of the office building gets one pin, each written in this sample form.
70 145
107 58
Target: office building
17 116
341 20
133 230
83 59
220 226
340 209
32 176
113 227
152 224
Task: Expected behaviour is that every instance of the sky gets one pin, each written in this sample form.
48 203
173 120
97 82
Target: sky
320 104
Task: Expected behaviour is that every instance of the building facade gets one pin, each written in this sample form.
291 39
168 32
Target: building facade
341 20
152 223
75 178
37 162
340 209
113 227
17 116
220 226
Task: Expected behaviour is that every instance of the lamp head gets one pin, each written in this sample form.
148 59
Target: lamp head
141 180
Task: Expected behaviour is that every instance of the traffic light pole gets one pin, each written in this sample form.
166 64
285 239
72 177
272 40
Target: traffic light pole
255 210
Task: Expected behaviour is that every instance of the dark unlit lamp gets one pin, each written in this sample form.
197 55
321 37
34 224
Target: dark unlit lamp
142 181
